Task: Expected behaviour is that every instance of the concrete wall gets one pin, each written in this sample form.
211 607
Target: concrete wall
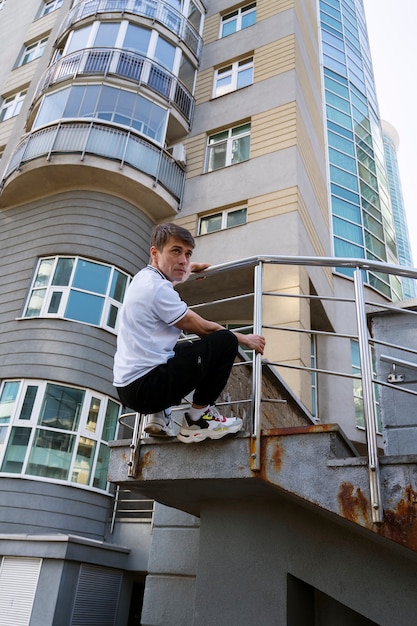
281 565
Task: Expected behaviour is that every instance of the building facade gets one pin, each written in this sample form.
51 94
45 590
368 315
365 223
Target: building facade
391 144
116 115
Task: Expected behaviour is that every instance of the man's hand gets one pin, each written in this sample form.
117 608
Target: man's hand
253 342
195 268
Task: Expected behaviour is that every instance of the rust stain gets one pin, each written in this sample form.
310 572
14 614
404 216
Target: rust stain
400 522
145 462
300 430
354 505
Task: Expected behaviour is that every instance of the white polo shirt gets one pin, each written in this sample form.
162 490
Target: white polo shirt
147 335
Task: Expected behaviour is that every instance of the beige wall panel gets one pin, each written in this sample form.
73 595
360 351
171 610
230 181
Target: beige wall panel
315 174
195 148
41 28
267 8
310 96
6 130
211 28
272 204
273 130
275 58
204 86
20 78
189 222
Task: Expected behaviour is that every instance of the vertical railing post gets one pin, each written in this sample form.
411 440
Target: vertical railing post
255 448
368 399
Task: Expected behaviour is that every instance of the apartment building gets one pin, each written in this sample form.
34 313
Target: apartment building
256 126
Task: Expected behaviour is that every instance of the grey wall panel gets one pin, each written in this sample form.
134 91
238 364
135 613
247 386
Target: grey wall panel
37 507
88 224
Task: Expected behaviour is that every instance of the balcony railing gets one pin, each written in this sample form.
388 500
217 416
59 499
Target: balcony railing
156 10
102 140
130 65
251 302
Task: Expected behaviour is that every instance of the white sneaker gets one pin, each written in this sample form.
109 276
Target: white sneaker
211 425
159 424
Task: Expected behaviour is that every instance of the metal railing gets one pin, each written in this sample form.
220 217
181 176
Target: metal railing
116 62
356 298
104 140
155 10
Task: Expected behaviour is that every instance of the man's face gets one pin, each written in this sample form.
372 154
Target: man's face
173 260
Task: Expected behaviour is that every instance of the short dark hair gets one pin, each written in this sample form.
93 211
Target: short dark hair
162 232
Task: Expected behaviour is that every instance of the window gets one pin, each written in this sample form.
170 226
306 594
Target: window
238 20
33 51
56 431
234 76
77 289
11 106
49 6
224 219
107 103
228 147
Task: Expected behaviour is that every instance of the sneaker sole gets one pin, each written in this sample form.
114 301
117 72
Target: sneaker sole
157 431
207 434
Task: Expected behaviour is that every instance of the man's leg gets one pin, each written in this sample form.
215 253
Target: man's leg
203 365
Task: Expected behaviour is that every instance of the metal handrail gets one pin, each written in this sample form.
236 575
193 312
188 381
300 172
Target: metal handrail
365 342
102 139
133 66
358 266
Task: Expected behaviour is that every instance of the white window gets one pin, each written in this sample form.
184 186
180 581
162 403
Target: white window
11 106
228 147
219 221
50 6
234 76
56 431
33 51
238 20
77 289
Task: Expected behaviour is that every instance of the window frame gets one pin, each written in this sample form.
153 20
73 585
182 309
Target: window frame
64 292
227 137
54 4
77 434
232 71
14 103
238 16
225 213
33 51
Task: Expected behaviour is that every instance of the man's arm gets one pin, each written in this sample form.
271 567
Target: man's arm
194 323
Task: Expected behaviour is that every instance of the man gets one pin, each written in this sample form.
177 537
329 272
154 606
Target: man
152 372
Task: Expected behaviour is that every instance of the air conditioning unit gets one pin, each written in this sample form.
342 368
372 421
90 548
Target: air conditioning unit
179 153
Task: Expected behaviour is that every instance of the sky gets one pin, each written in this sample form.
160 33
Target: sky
393 40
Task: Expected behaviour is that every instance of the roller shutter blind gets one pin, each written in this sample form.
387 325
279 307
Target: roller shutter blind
97 596
18 583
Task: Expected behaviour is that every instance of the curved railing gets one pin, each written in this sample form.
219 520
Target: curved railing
130 65
156 10
103 140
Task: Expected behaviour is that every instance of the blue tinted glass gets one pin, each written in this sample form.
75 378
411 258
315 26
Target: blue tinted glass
346 249
91 276
336 141
338 117
339 129
336 87
347 230
341 177
84 307
342 160
337 102
344 193
345 209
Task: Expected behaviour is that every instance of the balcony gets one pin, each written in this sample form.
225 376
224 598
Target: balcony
156 10
120 159
122 64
